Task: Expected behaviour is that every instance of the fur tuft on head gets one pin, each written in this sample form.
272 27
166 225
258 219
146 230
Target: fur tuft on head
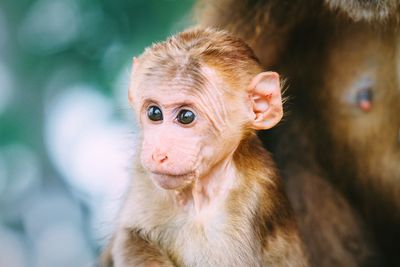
368 10
187 52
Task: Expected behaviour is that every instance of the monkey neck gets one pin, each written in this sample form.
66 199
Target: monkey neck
209 190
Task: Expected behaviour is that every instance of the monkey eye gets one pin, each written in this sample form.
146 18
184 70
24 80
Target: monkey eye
364 99
154 113
185 116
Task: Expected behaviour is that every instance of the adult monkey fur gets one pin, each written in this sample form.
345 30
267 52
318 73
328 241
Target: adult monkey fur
204 192
339 151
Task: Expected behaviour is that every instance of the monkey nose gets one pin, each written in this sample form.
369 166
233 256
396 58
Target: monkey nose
159 157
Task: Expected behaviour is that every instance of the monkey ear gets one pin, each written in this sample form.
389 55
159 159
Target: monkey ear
134 68
135 64
266 100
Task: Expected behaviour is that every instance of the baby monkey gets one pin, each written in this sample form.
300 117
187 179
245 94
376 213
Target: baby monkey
204 192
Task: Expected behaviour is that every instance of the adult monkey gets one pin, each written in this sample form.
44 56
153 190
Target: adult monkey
339 150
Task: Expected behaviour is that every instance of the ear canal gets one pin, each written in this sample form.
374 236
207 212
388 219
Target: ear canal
260 104
266 99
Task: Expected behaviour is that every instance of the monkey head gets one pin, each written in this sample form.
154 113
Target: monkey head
360 96
196 96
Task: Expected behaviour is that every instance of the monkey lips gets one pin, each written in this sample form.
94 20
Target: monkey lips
172 181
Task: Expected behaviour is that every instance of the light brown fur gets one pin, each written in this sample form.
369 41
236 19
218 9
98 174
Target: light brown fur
257 216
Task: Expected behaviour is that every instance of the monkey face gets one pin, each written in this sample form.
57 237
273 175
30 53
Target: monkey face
195 105
184 135
186 131
362 100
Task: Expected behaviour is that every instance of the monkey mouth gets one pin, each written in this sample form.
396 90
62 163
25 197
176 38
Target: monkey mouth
171 181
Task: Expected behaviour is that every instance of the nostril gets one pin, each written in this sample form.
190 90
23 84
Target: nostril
163 158
159 158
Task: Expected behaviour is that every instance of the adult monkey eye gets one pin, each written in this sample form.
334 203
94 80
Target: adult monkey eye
154 113
185 116
364 99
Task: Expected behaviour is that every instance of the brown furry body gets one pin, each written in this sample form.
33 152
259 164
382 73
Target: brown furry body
340 163
255 221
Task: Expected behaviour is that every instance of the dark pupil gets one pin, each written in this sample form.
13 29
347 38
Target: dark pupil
154 113
364 95
186 116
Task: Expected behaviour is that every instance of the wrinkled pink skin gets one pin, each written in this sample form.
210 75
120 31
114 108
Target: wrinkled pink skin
199 156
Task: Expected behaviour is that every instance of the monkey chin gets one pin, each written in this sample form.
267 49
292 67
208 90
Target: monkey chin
170 181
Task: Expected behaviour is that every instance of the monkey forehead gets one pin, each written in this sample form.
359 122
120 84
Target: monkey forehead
198 83
184 90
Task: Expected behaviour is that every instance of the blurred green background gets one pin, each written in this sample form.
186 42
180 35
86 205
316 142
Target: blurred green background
65 125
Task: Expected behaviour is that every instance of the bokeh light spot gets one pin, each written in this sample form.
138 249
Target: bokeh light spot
50 26
13 252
